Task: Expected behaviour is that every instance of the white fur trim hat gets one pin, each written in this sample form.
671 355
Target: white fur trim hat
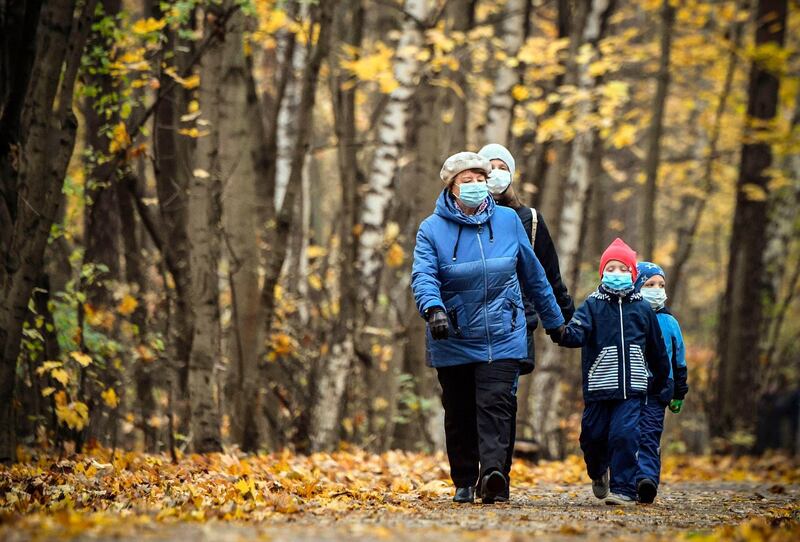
462 161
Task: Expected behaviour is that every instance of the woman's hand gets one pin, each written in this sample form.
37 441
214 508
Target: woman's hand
556 333
437 321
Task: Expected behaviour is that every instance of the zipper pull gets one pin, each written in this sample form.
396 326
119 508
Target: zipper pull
480 228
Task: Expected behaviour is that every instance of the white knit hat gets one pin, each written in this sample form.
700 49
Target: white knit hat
495 151
462 161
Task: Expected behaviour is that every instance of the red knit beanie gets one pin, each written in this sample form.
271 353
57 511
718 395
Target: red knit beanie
621 252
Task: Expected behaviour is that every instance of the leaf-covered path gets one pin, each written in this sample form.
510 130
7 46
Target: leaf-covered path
396 496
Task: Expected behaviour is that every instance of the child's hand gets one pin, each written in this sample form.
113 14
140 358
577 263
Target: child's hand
675 406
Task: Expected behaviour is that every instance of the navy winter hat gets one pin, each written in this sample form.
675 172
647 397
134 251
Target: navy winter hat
646 270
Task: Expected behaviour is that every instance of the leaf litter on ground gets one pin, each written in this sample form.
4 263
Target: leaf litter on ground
127 492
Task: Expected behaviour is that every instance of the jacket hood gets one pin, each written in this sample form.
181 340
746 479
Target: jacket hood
608 295
447 208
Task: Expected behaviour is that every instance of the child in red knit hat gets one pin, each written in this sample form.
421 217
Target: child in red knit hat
622 347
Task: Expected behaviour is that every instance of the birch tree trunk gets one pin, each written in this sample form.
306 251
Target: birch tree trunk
239 174
278 232
547 388
294 61
391 136
501 103
204 242
741 316
37 136
334 369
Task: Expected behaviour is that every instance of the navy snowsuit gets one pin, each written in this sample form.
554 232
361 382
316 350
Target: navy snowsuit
622 350
651 425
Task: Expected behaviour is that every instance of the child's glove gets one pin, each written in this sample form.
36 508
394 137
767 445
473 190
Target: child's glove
675 406
437 322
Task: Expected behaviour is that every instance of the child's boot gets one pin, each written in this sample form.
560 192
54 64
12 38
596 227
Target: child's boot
647 490
600 486
617 499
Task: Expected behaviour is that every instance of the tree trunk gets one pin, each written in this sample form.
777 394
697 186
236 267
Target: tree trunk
652 161
294 61
204 241
135 277
172 167
501 103
391 136
742 307
546 390
36 142
333 370
239 172
279 230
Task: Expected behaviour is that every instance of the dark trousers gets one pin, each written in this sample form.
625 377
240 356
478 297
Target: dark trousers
479 414
650 428
610 439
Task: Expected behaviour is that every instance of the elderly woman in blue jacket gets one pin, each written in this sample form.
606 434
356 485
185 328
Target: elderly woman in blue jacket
472 261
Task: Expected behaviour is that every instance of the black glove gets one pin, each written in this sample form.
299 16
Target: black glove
437 322
555 333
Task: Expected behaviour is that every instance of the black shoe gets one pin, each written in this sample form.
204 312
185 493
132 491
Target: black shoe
647 490
504 496
464 494
492 487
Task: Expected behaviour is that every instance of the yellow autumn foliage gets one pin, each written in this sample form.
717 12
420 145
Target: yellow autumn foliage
148 25
127 305
74 415
375 66
110 397
395 256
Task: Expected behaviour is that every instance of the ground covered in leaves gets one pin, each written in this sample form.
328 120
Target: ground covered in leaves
393 496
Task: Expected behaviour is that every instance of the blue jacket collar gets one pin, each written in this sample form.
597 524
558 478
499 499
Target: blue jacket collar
447 208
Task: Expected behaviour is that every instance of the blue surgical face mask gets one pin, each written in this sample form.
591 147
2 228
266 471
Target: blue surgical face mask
617 282
473 194
657 297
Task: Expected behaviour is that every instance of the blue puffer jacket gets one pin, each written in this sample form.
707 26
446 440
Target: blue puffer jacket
469 266
676 352
617 333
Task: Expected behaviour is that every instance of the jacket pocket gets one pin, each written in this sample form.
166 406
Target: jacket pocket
452 316
604 372
511 315
639 372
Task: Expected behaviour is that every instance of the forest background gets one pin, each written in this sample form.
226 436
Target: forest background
208 209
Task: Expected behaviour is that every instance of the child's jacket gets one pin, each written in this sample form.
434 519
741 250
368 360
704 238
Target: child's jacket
676 352
622 346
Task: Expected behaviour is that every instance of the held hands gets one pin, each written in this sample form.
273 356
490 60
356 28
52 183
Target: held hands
675 406
437 322
555 333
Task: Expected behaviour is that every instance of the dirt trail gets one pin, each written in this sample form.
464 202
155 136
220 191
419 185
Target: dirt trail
543 511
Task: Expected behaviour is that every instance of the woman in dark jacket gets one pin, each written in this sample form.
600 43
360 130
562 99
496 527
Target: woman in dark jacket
501 188
472 261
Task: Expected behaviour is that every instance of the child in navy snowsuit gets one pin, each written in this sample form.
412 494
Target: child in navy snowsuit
651 284
622 348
